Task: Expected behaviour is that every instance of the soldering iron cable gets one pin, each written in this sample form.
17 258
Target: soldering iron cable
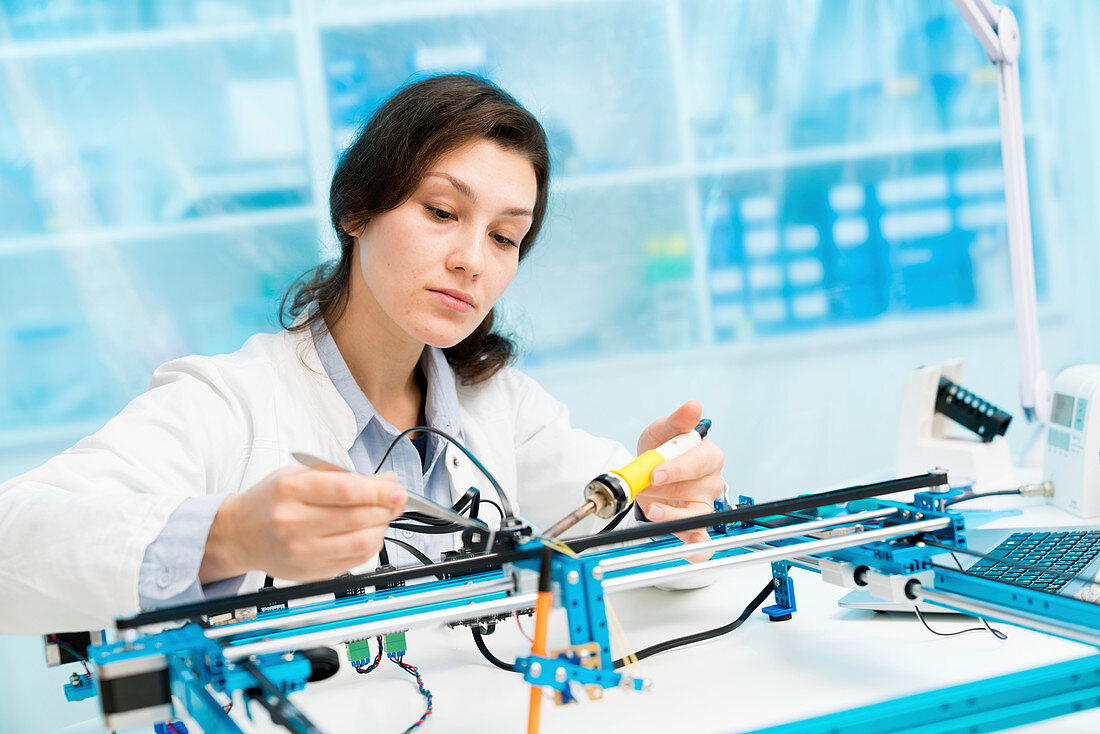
700 636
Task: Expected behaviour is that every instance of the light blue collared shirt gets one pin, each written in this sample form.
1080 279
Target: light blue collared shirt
375 434
169 571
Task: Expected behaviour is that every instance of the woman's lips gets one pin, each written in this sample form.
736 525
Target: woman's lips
456 300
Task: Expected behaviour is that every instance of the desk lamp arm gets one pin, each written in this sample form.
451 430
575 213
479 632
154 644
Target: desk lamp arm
999 34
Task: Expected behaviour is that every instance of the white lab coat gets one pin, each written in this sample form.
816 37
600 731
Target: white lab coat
73 532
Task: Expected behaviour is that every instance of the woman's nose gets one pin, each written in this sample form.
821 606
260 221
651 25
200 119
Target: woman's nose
469 254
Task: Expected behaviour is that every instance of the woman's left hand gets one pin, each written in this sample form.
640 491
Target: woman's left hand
686 485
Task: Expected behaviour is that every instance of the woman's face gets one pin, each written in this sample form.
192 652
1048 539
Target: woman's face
437 264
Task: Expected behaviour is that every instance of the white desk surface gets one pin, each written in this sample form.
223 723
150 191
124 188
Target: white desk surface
823 660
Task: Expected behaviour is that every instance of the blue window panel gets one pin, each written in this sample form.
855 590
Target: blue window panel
183 131
199 295
543 56
934 273
36 20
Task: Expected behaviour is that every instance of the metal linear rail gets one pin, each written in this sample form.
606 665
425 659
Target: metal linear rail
379 627
368 607
741 541
409 602
1019 618
648 578
492 561
988 705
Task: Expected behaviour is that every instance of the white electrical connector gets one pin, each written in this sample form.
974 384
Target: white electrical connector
838 573
892 586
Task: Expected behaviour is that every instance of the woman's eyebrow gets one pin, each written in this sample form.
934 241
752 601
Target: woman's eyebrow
466 191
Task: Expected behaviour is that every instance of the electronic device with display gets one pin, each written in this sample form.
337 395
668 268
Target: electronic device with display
1072 457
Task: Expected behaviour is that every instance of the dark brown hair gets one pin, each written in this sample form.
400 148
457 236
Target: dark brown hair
421 122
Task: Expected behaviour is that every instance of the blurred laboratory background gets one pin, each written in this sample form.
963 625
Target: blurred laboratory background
780 208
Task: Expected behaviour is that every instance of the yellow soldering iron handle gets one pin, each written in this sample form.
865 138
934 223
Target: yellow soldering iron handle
637 473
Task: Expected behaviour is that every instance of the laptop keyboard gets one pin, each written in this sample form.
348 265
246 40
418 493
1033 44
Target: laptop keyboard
1066 552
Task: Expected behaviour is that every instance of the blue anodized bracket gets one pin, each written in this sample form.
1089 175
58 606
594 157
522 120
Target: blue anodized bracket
580 582
80 687
195 662
560 672
784 605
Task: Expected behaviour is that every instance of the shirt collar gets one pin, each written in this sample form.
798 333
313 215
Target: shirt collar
440 405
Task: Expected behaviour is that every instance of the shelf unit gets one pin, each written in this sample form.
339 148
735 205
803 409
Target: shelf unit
307 24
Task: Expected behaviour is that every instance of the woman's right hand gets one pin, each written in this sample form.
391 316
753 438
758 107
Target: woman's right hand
302 525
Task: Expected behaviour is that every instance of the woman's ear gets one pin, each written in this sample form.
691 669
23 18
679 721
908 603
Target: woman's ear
352 228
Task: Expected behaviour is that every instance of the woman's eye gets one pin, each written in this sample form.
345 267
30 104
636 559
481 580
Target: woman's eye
503 241
440 214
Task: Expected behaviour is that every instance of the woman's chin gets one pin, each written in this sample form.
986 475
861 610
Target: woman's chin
442 339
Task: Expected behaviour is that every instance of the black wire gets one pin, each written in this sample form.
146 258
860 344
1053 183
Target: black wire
416 553
700 636
470 499
617 519
429 525
427 529
996 633
487 654
495 506
978 495
509 511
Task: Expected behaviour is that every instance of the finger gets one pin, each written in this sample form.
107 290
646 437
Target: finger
345 489
357 546
322 520
660 512
703 460
705 489
682 420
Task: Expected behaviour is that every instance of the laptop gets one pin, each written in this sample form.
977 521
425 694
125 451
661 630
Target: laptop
1068 550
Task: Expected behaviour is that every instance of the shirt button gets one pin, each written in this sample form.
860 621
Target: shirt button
164 577
407 533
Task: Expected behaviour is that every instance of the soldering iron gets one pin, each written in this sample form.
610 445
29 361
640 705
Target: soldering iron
612 492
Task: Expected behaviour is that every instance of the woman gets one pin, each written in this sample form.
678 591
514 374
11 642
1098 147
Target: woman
192 490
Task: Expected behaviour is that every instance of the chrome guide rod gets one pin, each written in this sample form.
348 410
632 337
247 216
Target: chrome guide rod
351 611
378 627
648 578
740 541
